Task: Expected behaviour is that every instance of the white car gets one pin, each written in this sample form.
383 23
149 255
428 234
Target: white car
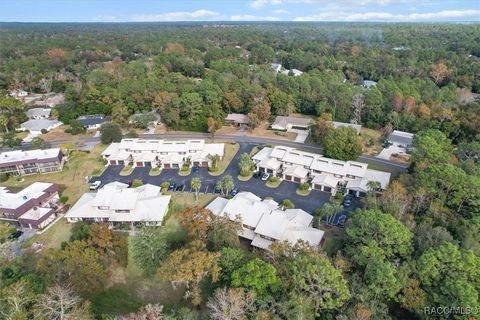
265 176
95 185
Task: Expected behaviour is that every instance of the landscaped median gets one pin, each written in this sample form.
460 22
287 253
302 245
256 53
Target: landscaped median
126 171
303 189
245 178
273 182
185 171
155 172
231 149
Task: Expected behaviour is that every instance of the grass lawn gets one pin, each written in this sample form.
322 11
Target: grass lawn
303 193
370 140
126 171
54 236
395 172
71 179
242 178
273 185
182 200
155 172
231 150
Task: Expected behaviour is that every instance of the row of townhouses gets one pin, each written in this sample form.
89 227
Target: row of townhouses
162 153
18 162
264 222
118 204
33 207
322 173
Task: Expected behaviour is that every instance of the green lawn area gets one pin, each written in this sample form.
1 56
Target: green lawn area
182 200
54 236
231 150
155 172
395 172
127 170
71 179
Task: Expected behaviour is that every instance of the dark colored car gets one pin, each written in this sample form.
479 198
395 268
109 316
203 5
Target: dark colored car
234 192
15 235
179 187
195 169
257 174
172 187
347 201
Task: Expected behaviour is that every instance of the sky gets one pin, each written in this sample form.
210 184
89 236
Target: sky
239 10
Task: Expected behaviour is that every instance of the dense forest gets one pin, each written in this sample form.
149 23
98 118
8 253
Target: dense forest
415 247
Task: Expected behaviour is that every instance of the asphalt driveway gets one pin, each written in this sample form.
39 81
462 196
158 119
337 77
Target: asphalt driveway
286 190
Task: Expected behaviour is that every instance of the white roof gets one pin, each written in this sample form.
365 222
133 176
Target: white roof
38 112
401 137
326 180
298 157
361 184
20 155
9 200
369 83
337 124
263 154
237 117
36 213
296 171
144 203
39 124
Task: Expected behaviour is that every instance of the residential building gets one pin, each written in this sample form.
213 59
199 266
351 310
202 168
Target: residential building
38 113
156 118
264 222
287 123
294 72
39 126
322 173
369 84
33 207
237 119
356 127
19 162
118 205
162 153
93 121
401 139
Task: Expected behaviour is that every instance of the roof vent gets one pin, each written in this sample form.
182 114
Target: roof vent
25 197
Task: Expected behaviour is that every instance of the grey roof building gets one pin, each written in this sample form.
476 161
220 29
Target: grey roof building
38 113
401 138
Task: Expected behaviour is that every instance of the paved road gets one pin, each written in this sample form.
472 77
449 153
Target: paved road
286 189
394 166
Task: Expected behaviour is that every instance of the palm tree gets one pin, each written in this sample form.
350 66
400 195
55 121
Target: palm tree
4 120
196 184
245 164
214 158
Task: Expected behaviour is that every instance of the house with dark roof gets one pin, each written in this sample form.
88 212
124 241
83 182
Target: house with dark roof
93 121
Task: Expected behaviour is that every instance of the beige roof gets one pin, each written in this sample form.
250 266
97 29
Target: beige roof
356 127
283 122
296 171
237 117
326 180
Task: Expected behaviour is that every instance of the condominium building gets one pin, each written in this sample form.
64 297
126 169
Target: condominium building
264 222
18 162
322 173
118 204
162 153
33 207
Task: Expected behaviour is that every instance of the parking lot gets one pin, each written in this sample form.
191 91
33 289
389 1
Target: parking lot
286 190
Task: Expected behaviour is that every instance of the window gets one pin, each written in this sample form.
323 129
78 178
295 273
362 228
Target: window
337 175
122 211
350 176
103 207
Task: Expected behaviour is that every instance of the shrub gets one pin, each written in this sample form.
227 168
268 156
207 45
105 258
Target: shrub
137 183
303 186
44 131
80 231
274 179
288 204
164 185
3 177
110 132
131 134
76 127
63 199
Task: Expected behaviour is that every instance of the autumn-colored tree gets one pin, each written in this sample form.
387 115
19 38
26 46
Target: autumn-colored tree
148 312
261 112
101 238
120 114
321 128
162 99
232 102
424 112
355 50
196 221
439 72
410 104
191 265
213 125
397 101
56 56
173 47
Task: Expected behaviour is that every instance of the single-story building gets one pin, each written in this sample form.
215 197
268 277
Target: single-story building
117 204
369 84
37 126
237 119
356 127
93 121
19 162
38 113
33 207
287 123
264 222
401 139
294 72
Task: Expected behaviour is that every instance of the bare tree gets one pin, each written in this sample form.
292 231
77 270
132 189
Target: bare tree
148 312
60 303
230 304
357 106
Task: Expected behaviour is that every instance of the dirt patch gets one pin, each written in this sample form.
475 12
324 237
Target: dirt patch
401 158
60 134
262 131
227 130
370 140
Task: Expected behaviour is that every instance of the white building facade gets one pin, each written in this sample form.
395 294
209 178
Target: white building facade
162 153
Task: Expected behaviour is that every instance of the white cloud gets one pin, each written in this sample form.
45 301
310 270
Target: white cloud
179 16
279 11
249 17
260 3
102 18
386 16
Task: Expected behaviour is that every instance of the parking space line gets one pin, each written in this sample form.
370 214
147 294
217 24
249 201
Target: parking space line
206 189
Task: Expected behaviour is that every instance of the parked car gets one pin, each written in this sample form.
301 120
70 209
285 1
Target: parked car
15 235
179 187
387 144
257 174
195 169
347 200
172 187
234 192
95 185
265 176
